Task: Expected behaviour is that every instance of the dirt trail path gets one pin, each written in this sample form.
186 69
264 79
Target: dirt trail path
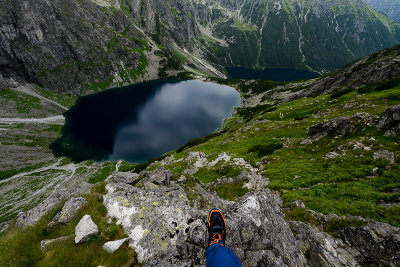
49 120
27 90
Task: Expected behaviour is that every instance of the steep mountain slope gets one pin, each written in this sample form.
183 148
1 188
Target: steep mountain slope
390 7
90 45
317 34
378 67
78 46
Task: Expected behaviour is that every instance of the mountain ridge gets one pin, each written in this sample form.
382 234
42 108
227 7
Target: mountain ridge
389 7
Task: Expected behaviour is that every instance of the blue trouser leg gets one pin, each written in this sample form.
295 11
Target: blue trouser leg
220 256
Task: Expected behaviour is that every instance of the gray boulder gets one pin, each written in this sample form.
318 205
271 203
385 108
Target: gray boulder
124 177
161 176
339 126
321 248
378 243
113 246
253 180
85 230
69 210
390 121
374 243
384 155
165 230
46 242
3 83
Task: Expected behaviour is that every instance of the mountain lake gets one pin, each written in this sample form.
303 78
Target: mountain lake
142 121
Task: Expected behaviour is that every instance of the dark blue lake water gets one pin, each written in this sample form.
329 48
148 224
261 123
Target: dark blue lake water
143 121
281 75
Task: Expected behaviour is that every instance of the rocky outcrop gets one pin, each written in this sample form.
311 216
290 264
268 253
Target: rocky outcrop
384 154
85 230
161 176
339 126
375 244
124 177
30 217
164 229
69 210
390 121
382 66
113 246
321 248
378 243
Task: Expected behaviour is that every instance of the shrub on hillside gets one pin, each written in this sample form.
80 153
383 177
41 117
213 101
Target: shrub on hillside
264 150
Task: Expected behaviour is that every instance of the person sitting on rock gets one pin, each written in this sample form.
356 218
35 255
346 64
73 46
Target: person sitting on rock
217 253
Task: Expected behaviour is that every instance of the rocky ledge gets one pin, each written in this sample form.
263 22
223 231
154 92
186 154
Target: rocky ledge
165 228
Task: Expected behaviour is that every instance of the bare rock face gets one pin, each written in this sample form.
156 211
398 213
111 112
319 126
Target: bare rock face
161 176
339 126
321 248
379 244
85 230
374 244
69 210
390 121
124 177
64 44
164 229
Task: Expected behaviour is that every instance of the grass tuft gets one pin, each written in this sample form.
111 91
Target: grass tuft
302 215
333 226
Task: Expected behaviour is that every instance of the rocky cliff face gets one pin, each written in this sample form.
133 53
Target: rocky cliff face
72 46
64 44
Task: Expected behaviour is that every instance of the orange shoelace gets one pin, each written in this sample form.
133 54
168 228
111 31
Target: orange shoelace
216 239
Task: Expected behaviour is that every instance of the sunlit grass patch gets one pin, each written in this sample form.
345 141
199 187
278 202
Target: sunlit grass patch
231 191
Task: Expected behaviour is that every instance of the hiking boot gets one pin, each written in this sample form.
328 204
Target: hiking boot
216 228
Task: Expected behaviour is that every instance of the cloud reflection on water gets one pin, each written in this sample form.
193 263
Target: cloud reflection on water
175 114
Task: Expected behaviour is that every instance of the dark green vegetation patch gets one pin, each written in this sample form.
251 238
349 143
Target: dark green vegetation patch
333 226
264 150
